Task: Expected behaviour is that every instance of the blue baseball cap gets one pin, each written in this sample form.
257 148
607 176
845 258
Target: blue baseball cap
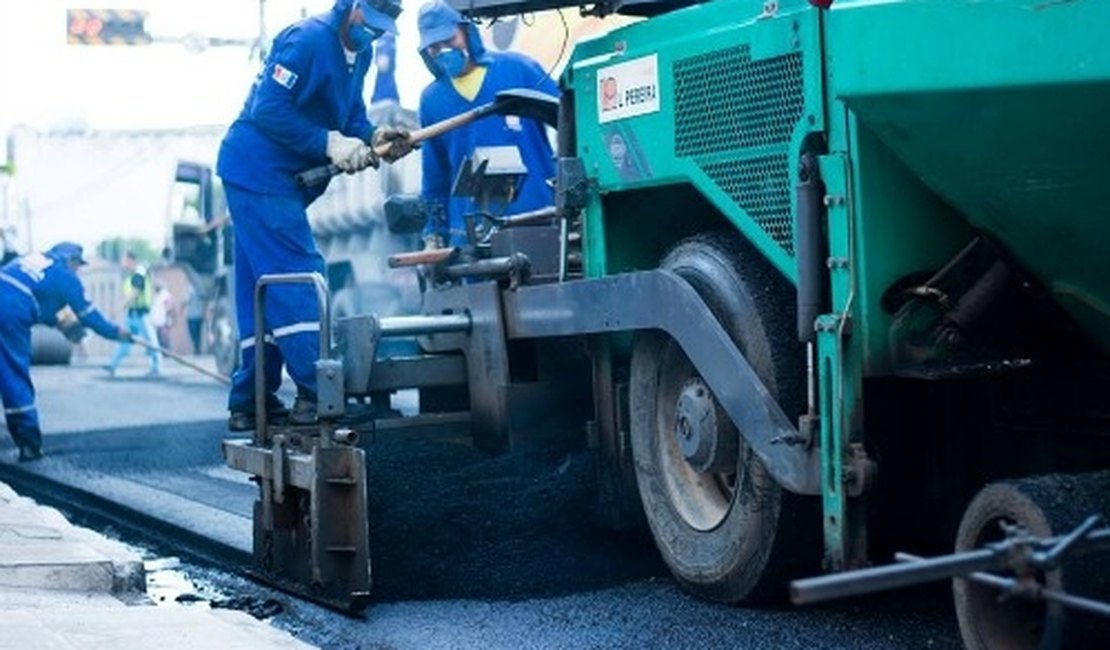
437 21
380 14
68 251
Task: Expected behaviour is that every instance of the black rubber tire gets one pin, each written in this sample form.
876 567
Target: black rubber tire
766 535
49 347
1044 506
224 337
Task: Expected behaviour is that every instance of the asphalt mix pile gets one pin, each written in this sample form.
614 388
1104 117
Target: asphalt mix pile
449 522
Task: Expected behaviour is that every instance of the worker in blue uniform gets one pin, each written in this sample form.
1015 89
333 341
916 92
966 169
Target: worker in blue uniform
385 62
468 76
305 109
33 289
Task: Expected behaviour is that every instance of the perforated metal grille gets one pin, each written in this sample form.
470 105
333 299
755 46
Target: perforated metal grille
727 103
759 186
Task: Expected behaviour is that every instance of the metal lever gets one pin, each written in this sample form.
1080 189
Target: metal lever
1048 559
324 302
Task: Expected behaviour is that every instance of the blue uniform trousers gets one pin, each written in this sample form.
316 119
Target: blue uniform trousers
272 235
138 323
17 314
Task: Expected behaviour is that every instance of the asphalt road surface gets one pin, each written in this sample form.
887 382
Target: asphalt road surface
469 551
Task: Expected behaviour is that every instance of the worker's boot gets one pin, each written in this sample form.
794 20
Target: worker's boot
304 409
244 420
240 421
29 453
276 410
26 434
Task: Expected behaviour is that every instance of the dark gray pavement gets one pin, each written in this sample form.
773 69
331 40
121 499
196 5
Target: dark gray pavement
469 551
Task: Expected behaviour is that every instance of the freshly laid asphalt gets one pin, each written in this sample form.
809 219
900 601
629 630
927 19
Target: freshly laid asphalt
469 551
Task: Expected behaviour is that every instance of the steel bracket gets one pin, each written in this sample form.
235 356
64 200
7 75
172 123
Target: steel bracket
310 531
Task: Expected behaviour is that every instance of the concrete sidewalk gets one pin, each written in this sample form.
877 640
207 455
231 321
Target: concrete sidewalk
67 587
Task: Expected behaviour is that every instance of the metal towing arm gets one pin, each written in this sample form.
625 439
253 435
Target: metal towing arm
1021 555
311 518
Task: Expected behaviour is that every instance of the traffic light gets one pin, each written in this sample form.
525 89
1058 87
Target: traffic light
106 27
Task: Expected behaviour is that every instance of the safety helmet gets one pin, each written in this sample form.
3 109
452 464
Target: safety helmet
380 15
437 22
68 252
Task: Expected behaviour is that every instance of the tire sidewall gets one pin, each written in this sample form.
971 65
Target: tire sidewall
993 503
1043 506
727 562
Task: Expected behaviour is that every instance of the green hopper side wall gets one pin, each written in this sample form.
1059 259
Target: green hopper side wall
1000 108
988 113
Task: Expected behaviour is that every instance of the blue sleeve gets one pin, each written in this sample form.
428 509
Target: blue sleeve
287 83
86 312
358 125
436 168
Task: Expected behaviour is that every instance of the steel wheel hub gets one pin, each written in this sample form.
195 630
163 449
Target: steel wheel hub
700 438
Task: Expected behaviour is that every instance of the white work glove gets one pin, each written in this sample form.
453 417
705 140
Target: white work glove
432 241
341 150
397 141
363 157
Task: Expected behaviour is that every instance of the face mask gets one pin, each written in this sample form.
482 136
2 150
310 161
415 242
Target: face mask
451 61
361 36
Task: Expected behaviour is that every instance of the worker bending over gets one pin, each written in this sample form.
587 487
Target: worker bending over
33 289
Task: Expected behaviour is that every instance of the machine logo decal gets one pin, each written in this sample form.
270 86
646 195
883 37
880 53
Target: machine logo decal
628 89
608 94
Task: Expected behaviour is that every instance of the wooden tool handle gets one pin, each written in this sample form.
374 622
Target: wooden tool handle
430 256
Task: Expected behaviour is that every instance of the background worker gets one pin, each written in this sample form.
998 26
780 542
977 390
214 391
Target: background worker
194 316
385 63
33 289
467 76
163 314
138 296
305 109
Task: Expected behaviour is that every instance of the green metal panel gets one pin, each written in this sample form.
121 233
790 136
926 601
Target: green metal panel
833 440
838 359
899 226
941 118
999 108
733 105
594 259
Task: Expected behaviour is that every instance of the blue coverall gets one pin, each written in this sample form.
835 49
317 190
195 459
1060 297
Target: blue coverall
305 89
385 80
443 154
33 288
